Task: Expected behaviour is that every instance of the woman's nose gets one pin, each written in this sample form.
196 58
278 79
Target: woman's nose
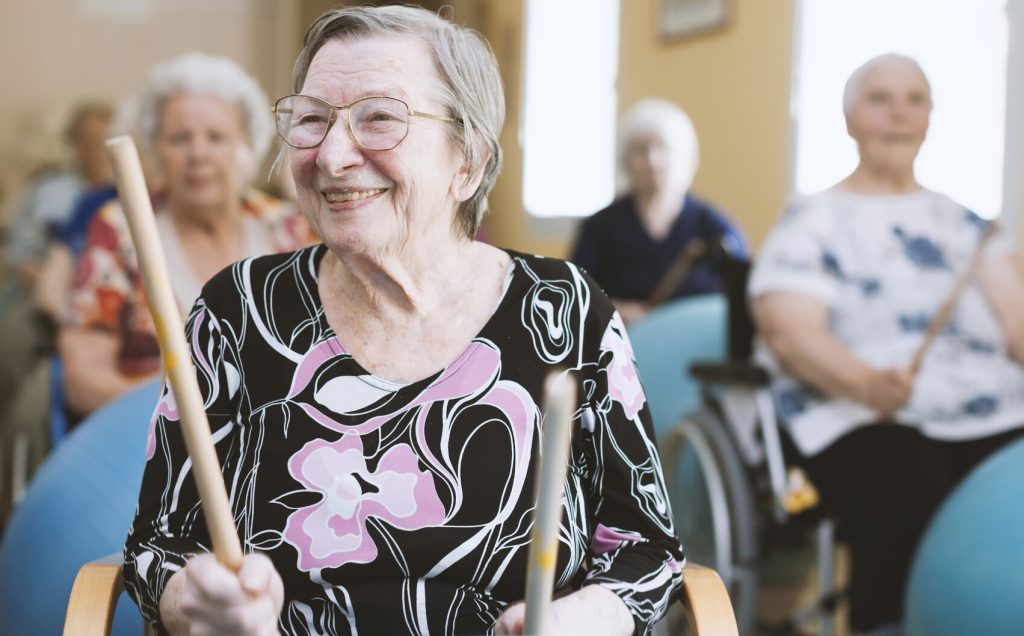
339 150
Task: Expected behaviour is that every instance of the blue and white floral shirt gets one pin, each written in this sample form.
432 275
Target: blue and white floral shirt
885 265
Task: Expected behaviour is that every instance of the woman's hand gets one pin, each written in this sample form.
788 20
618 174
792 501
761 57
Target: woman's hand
587 612
887 390
205 597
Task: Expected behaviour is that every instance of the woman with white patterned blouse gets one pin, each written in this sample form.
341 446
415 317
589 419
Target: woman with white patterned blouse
843 291
375 400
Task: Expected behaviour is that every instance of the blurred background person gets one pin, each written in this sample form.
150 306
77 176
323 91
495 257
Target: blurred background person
657 240
205 125
52 196
36 289
843 292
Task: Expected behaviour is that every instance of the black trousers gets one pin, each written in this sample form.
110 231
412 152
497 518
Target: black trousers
883 483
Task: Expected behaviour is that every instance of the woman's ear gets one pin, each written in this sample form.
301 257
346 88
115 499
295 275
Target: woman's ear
467 180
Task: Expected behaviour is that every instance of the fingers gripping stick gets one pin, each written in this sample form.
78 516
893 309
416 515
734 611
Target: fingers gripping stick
560 392
134 196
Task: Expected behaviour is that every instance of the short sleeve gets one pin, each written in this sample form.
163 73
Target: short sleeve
103 282
796 256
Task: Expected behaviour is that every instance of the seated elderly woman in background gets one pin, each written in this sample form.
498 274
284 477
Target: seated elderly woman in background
375 399
205 126
638 248
843 292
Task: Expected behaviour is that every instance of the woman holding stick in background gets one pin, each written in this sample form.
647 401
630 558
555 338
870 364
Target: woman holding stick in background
375 408
657 241
848 292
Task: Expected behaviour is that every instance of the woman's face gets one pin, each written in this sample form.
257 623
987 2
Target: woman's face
200 146
377 201
648 162
890 120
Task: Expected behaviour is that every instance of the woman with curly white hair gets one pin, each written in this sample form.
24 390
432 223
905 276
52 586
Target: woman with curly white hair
204 125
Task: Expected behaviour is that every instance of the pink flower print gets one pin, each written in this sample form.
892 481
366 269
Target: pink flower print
623 381
606 539
166 408
333 532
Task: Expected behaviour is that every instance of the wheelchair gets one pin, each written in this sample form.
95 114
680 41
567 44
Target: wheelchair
723 454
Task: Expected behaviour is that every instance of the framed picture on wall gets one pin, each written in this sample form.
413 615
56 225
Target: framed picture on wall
679 19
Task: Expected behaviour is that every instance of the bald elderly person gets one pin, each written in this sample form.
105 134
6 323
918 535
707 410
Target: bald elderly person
843 292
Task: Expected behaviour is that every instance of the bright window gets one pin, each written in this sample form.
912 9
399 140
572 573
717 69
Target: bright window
962 47
569 108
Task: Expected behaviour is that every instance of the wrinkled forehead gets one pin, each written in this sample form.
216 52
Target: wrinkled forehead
376 62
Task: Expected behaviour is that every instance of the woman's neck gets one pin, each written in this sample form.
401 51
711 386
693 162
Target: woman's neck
880 181
218 223
414 278
658 209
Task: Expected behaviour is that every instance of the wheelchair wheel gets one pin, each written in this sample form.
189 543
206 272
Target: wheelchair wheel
713 504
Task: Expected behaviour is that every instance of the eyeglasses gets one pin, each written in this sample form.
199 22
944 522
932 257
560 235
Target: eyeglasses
375 123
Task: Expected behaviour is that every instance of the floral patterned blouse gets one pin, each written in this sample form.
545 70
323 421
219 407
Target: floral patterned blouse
885 265
406 509
108 294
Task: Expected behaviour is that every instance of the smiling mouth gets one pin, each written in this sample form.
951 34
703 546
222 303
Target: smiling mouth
341 197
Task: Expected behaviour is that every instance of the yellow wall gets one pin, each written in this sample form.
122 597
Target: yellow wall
734 83
735 86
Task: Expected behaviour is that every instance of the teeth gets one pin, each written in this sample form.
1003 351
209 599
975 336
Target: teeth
339 197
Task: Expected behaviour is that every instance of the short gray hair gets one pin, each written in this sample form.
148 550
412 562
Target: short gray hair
472 95
667 120
854 89
201 74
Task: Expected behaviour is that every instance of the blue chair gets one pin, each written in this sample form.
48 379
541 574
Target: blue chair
968 573
76 509
666 341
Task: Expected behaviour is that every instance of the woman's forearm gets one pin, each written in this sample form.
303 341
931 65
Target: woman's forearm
606 613
170 605
91 376
795 329
818 360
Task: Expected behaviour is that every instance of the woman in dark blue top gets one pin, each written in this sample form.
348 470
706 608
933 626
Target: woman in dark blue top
630 246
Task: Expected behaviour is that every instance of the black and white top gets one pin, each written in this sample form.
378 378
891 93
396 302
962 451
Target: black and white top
392 509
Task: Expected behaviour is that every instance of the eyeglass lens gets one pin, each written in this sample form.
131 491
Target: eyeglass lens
377 123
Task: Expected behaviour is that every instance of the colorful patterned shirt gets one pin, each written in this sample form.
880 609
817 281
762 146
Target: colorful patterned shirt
391 509
884 265
108 293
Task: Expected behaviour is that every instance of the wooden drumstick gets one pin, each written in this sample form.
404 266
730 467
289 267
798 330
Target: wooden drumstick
560 398
677 272
942 318
170 332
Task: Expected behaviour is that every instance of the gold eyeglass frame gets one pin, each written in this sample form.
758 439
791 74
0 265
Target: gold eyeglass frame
348 122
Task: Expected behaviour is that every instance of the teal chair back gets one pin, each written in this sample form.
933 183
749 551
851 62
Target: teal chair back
76 509
666 341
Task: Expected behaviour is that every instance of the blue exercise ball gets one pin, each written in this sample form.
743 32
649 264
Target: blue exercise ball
76 509
968 574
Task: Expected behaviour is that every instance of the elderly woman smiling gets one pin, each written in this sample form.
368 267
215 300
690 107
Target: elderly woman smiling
202 122
844 290
375 399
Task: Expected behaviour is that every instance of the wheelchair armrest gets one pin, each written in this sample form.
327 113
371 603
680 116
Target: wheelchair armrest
94 597
730 372
708 608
